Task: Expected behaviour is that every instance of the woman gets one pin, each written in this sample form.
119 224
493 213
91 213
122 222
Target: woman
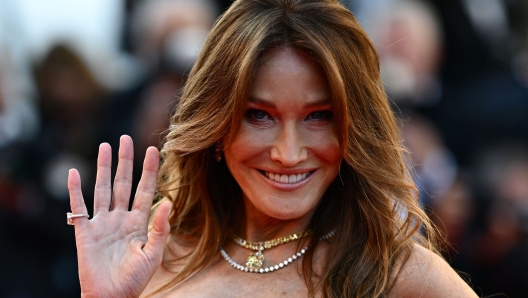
284 142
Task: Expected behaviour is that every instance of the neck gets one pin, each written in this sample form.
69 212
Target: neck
261 227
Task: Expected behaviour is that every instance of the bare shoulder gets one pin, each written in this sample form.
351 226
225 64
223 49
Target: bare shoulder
425 274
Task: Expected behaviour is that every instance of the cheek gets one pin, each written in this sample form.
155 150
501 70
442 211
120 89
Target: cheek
326 146
248 144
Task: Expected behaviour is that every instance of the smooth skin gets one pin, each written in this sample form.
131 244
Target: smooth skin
288 130
118 258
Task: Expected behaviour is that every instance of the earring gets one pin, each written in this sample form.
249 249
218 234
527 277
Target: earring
218 153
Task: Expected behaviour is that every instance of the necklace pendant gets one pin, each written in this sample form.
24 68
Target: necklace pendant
255 260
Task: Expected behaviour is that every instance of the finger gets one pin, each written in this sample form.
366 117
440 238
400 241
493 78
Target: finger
103 188
123 178
159 233
147 185
76 198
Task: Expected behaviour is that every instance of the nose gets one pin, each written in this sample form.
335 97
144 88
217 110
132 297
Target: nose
289 147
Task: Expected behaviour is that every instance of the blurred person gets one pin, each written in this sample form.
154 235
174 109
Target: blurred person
503 173
166 37
18 114
19 124
19 120
69 103
444 189
452 212
483 101
283 136
474 101
170 33
409 39
467 54
490 20
498 258
435 167
502 25
18 117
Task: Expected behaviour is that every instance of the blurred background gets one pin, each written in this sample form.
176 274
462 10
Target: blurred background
74 74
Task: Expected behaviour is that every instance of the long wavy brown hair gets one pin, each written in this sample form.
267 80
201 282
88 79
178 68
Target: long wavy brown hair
373 203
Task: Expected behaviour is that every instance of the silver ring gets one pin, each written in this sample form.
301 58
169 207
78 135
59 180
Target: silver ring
70 216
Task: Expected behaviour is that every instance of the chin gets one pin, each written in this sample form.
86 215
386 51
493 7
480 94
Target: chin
281 215
283 211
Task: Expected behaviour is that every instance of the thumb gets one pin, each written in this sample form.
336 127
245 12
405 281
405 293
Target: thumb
159 233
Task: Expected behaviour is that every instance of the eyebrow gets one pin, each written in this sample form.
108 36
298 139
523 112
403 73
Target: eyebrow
271 105
262 102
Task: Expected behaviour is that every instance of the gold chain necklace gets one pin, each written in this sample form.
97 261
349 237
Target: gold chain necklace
286 262
255 260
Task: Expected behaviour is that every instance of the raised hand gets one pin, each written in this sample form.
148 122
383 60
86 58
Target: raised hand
116 255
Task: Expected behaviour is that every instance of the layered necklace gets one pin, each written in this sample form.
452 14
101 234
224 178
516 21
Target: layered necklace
255 260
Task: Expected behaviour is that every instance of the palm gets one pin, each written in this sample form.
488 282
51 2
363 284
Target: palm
116 256
115 243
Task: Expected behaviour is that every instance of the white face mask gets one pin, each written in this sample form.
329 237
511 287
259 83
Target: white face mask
182 47
398 77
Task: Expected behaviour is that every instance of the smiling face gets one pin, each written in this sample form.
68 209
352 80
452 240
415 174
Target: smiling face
286 152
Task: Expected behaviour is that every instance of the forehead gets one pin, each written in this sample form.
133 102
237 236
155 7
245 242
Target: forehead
287 72
290 58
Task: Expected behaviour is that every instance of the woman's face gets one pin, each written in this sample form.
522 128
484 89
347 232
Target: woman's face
286 153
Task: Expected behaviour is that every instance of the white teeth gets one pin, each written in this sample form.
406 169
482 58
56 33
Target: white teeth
284 179
290 179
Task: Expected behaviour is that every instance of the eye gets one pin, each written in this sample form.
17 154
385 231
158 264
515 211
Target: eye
257 115
320 116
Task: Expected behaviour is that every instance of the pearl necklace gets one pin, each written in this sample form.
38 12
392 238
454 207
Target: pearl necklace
255 260
271 268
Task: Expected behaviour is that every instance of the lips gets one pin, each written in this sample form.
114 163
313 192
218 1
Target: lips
287 179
